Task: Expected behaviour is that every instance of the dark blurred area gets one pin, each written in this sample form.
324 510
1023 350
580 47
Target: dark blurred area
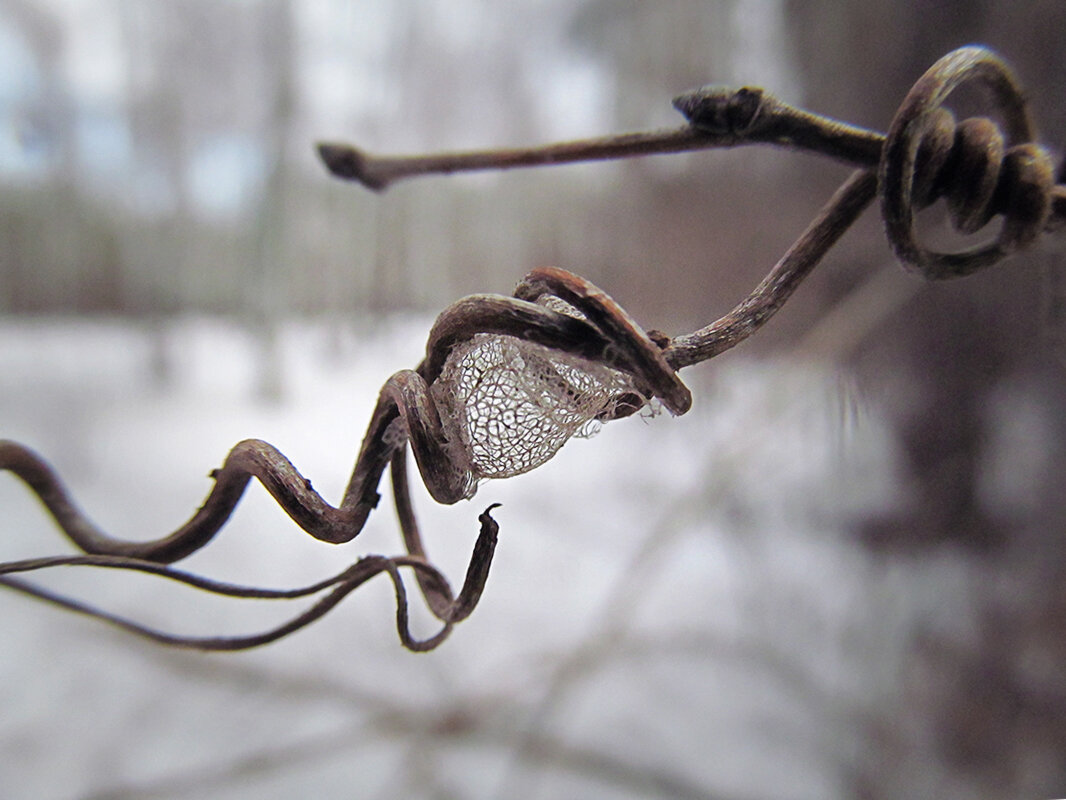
188 185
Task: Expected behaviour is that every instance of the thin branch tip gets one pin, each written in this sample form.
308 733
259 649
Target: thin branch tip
487 521
349 163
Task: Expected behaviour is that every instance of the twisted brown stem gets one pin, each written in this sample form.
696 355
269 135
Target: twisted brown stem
406 412
926 155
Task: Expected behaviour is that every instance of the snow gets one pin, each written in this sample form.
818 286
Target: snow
674 605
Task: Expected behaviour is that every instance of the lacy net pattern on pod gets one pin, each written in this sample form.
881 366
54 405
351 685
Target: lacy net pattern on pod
508 405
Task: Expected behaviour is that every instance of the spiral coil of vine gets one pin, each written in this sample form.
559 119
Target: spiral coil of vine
593 329
573 355
981 173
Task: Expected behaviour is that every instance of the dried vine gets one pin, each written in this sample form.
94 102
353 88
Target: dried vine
507 380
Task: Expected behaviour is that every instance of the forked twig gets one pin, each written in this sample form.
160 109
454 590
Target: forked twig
507 380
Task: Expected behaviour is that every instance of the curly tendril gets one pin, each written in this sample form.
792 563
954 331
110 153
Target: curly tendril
507 380
982 173
556 354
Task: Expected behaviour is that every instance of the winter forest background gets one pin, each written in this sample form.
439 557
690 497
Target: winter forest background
850 555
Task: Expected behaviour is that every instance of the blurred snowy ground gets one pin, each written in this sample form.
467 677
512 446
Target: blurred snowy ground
674 610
